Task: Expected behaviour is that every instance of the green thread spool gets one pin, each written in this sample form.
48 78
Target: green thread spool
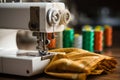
88 38
68 38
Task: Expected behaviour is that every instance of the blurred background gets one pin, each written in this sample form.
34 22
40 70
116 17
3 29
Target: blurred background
96 12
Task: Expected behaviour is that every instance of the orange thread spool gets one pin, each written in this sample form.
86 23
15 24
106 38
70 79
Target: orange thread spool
98 41
52 43
108 36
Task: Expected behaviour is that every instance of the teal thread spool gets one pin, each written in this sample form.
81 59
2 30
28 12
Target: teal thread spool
88 38
68 37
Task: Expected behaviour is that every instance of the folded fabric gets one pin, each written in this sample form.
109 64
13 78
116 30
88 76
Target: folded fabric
73 63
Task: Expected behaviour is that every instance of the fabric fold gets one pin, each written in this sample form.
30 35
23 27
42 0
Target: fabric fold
73 63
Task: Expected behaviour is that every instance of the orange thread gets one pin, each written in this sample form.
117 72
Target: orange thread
52 43
98 41
108 36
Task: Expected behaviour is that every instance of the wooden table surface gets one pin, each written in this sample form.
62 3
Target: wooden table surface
115 52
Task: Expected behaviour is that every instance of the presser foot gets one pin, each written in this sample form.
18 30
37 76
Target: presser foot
46 55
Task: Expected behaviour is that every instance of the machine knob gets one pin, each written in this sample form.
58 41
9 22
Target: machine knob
65 16
53 16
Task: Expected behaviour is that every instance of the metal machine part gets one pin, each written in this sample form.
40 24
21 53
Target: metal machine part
55 16
44 17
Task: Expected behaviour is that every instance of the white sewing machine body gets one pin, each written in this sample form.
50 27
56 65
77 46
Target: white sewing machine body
19 16
10 63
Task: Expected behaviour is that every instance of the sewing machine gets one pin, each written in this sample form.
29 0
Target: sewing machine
40 18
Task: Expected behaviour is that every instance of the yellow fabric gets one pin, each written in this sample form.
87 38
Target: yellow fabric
76 64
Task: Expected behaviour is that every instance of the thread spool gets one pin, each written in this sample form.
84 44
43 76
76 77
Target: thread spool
52 43
98 28
108 36
68 37
88 38
78 41
59 39
98 41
